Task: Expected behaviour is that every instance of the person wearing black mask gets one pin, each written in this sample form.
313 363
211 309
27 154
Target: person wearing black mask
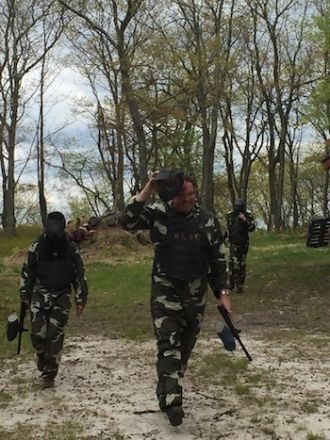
52 267
239 223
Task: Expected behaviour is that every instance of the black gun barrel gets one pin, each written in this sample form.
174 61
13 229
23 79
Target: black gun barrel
21 329
235 332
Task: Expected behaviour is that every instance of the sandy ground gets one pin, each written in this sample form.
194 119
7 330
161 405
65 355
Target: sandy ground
107 386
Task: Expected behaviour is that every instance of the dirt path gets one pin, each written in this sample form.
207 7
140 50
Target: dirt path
105 390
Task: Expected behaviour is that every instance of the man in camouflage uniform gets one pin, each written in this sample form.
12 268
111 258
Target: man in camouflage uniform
188 254
52 266
239 223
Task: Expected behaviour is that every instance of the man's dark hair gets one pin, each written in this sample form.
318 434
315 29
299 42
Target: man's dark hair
192 180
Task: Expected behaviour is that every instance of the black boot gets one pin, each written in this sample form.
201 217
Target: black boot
40 362
48 378
161 396
175 414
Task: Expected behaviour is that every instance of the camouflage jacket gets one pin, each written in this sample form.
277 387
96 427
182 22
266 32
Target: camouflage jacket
29 281
154 217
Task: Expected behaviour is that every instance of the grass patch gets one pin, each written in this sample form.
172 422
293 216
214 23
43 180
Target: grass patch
310 406
286 294
251 386
5 399
311 436
67 430
119 301
287 283
25 235
269 431
231 368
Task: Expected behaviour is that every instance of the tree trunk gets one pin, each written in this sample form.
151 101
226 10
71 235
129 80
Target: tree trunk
9 221
40 150
326 208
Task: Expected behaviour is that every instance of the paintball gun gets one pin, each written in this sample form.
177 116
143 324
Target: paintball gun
235 333
15 326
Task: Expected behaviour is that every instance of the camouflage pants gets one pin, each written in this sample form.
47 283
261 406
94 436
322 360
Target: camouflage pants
177 309
49 314
237 265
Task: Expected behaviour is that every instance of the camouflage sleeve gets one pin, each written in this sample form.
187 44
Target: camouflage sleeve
137 215
250 222
28 274
217 276
80 282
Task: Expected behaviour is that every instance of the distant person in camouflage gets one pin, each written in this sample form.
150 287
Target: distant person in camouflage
189 254
52 267
240 223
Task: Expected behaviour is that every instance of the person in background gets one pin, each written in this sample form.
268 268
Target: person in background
52 267
81 233
189 254
240 223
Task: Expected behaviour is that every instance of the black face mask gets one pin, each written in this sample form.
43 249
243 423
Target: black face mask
55 228
54 238
239 206
169 184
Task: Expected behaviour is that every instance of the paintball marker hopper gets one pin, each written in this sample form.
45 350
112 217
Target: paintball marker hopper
12 327
234 331
227 338
15 326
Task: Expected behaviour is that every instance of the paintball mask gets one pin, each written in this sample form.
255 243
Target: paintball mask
55 226
169 184
239 205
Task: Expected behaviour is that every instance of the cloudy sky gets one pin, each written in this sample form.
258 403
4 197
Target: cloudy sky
66 88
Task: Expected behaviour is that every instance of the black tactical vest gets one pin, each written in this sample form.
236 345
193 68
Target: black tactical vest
238 233
184 252
55 268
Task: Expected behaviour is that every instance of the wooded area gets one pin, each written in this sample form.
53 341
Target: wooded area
234 92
